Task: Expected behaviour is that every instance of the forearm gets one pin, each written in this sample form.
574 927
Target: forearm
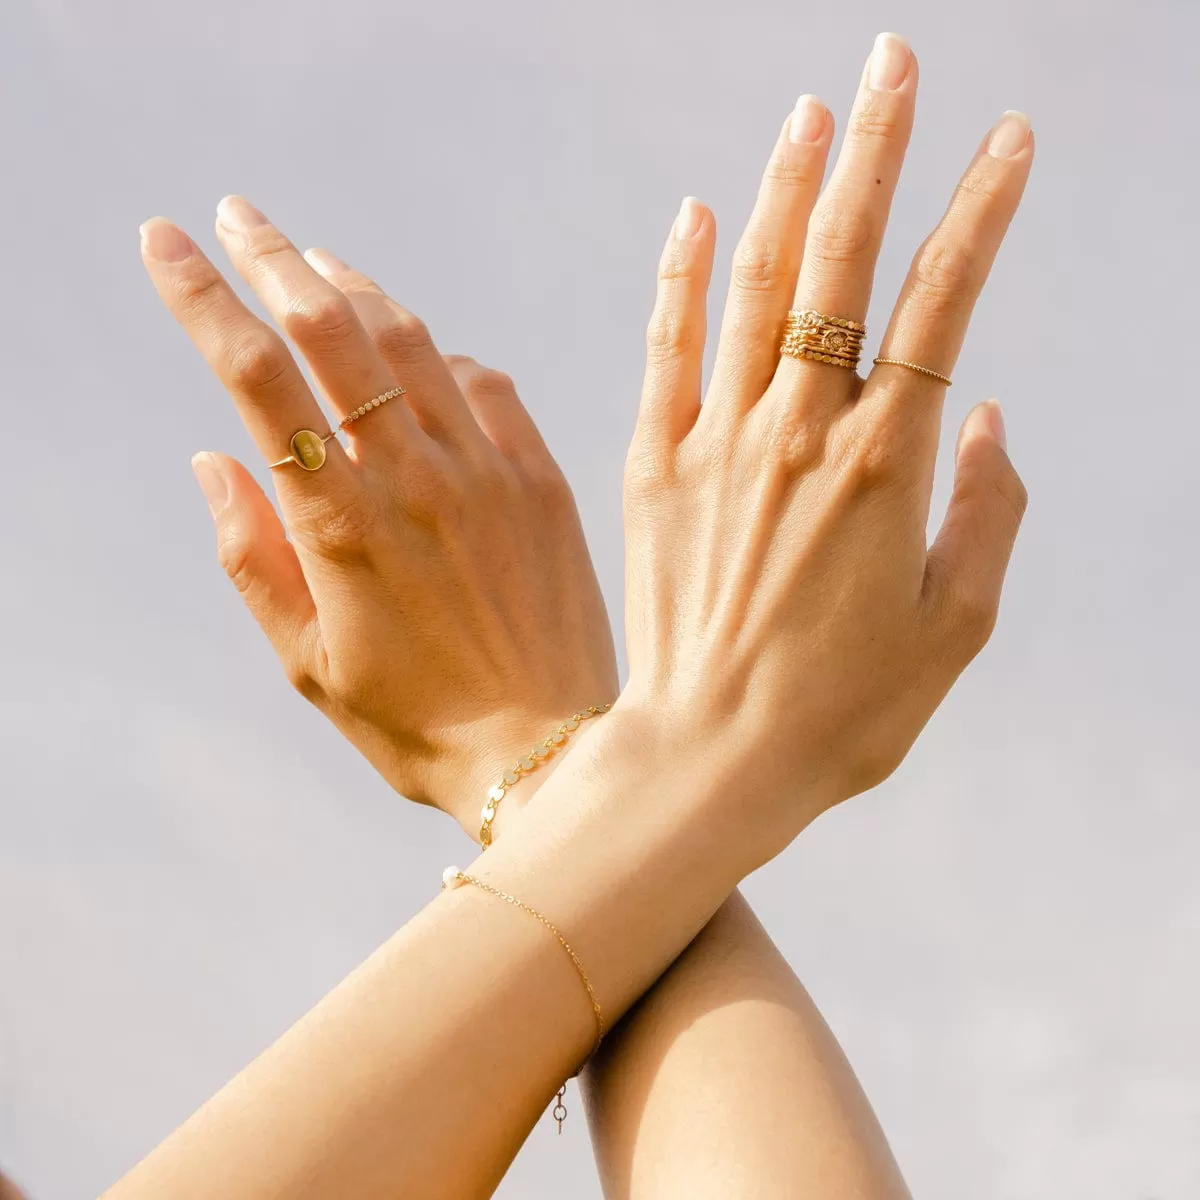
424 1071
724 1081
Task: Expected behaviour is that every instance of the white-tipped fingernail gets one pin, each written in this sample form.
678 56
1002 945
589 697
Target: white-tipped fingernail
1009 135
890 61
995 420
807 121
212 482
689 220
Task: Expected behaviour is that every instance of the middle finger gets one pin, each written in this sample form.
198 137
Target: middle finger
846 230
322 323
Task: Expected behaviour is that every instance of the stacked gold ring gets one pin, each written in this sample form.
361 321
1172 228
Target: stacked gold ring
821 338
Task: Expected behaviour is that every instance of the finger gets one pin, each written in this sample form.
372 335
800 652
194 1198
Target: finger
766 262
948 273
492 399
403 343
675 337
321 322
968 560
247 355
847 225
261 563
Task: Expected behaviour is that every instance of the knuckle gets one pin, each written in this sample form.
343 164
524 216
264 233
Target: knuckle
759 266
945 271
198 288
869 457
842 234
975 615
781 173
671 334
402 335
881 117
257 360
234 555
321 319
794 439
1016 495
302 679
981 181
548 485
338 529
485 381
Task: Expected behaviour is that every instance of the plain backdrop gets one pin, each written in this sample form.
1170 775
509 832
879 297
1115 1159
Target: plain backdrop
1003 936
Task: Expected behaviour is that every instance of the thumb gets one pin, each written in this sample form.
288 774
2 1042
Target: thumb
969 557
253 549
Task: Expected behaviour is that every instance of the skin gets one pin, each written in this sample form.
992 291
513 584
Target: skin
835 583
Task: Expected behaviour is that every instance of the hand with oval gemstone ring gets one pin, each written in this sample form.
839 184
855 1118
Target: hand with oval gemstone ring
428 586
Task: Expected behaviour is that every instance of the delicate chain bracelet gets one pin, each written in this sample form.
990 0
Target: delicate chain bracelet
534 759
452 878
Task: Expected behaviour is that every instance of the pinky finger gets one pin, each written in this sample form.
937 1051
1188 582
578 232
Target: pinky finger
969 558
675 338
255 553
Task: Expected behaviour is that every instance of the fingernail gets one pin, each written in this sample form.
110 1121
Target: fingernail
890 60
324 263
995 421
211 481
691 217
238 214
1010 135
165 242
807 121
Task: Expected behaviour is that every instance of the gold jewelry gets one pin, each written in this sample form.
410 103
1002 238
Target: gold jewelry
308 448
452 878
821 338
534 759
899 362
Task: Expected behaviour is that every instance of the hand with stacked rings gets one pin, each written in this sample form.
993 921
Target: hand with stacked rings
789 634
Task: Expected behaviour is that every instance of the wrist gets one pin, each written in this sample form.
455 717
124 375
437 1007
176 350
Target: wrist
500 762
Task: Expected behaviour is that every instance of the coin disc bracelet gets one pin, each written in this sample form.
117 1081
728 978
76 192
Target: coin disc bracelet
545 749
452 877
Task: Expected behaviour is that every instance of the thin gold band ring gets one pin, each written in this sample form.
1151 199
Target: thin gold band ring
899 362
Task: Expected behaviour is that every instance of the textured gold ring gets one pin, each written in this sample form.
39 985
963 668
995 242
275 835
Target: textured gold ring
822 338
899 362
308 448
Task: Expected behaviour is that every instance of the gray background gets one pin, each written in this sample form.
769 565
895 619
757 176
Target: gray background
1003 936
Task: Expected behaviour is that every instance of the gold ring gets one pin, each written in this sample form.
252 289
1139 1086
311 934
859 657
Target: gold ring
821 338
308 448
899 362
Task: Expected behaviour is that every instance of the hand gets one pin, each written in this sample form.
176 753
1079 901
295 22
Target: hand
436 600
780 593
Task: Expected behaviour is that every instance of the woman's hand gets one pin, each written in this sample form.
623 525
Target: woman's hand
436 600
780 594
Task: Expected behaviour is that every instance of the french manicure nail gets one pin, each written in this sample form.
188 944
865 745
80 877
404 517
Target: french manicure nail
890 60
211 481
238 214
995 420
807 121
691 217
1010 135
165 242
324 263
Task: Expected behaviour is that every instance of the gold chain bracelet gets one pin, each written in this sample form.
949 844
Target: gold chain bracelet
555 740
452 878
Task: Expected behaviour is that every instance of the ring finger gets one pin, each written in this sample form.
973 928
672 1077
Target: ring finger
947 275
847 225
